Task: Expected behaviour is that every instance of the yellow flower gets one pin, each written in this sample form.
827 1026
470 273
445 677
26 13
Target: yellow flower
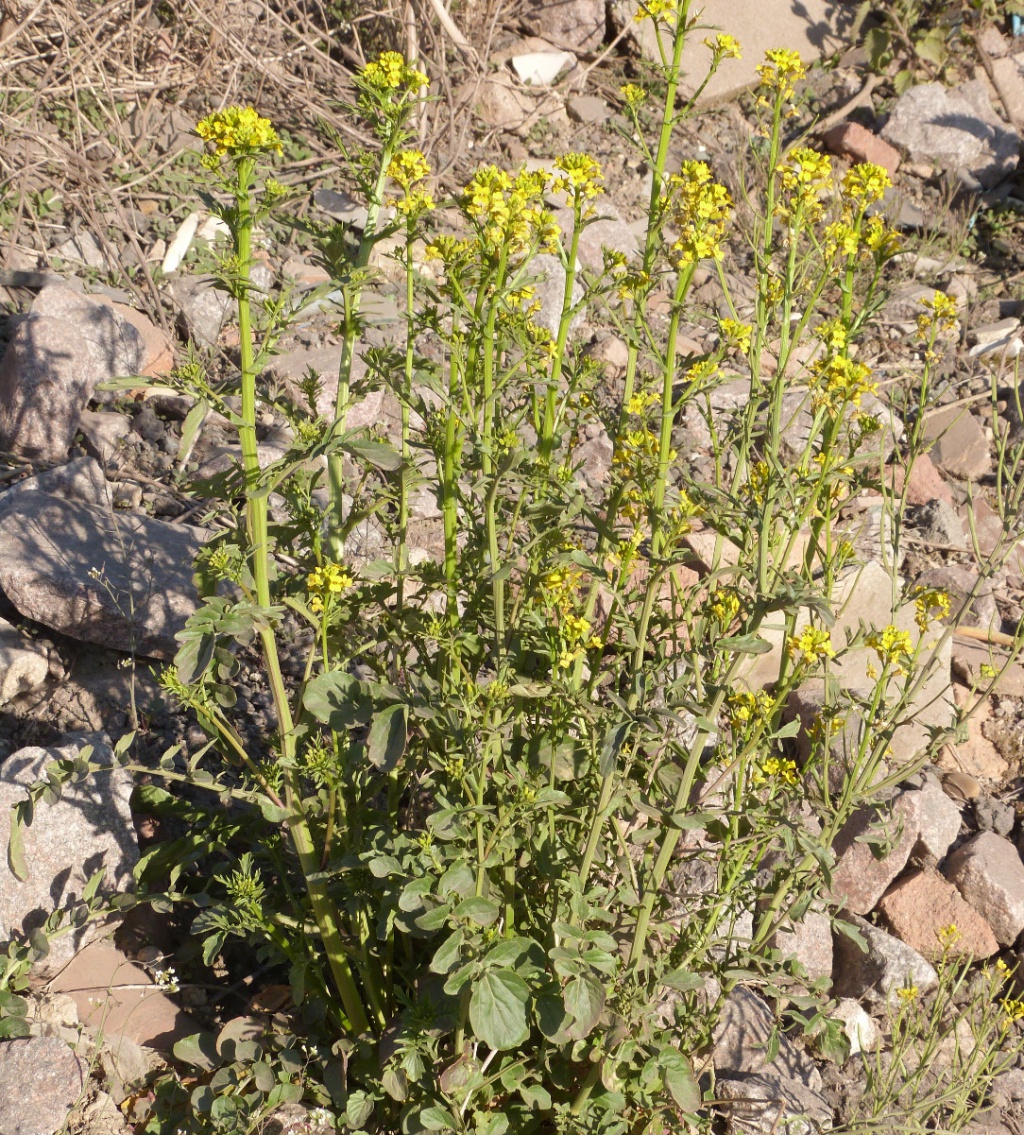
833 334
878 238
893 647
943 314
390 72
239 131
810 645
633 95
326 582
780 72
774 768
724 46
700 209
841 238
865 184
659 11
749 707
908 994
1013 1010
407 167
580 176
837 382
948 936
735 334
509 211
930 603
724 606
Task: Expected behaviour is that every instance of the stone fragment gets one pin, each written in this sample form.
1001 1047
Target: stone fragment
939 522
118 998
809 941
66 345
889 965
851 140
740 1043
157 348
960 786
575 24
123 581
969 657
860 1027
938 820
501 102
960 447
549 292
926 483
292 366
1008 77
859 879
102 433
988 872
542 68
587 109
612 352
40 1081
595 455
766 1105
992 815
815 28
921 905
954 127
83 248
609 230
992 41
993 334
89 829
79 480
24 664
201 308
904 304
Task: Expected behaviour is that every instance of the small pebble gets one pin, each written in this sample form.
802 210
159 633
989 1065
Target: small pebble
960 786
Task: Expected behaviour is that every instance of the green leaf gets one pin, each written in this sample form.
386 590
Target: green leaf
271 811
263 1074
190 428
497 1009
477 909
683 980
13 1027
584 998
358 1110
199 1050
388 734
437 1119
16 841
375 452
679 1079
448 953
745 644
535 1096
335 699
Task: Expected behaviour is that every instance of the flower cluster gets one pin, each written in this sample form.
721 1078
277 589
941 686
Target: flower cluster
325 583
658 11
723 46
781 70
724 606
837 382
407 168
806 177
941 314
509 210
893 647
930 603
239 131
633 95
778 770
578 176
810 646
390 72
699 208
735 334
864 184
559 591
749 707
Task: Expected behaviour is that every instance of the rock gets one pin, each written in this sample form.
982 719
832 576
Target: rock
992 815
988 872
117 998
741 1037
40 1081
903 304
861 1029
102 433
926 484
24 663
575 24
960 786
157 348
542 68
549 291
993 335
889 965
859 879
294 1119
815 28
123 581
939 522
809 941
960 447
807 703
79 480
969 657
938 821
770 1104
289 368
88 829
921 905
851 140
992 42
83 248
501 102
612 352
1008 76
955 128
587 109
595 454
201 308
66 345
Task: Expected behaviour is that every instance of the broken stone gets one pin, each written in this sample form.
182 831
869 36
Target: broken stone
939 821
859 879
40 1081
954 127
609 230
960 447
123 581
118 998
988 872
922 905
587 109
542 68
860 1027
889 965
66 345
88 829
549 292
765 1105
501 102
856 142
1008 76
202 308
926 483
741 1038
24 664
575 24
809 941
992 42
102 433
292 366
